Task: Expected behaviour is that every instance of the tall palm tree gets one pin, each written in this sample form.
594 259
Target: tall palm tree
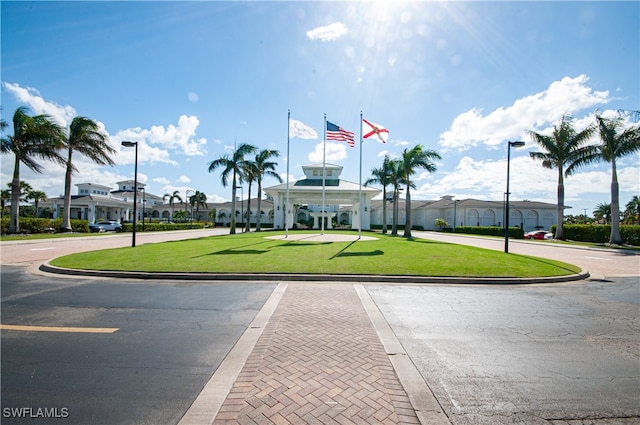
633 208
395 180
36 196
172 200
382 176
615 143
412 160
250 172
233 165
565 147
198 199
86 138
5 196
265 167
34 138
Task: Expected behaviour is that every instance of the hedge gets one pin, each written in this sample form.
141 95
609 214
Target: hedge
158 227
31 225
514 232
599 233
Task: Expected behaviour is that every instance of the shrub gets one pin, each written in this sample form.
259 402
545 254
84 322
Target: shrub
600 233
514 232
158 227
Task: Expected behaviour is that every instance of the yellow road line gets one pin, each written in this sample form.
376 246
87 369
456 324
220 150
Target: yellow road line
57 329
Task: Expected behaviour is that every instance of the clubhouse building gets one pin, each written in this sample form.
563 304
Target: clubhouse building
300 205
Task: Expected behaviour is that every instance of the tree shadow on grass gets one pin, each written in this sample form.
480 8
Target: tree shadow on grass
359 254
343 253
237 250
297 244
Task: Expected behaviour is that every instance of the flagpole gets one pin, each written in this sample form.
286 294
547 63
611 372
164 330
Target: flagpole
286 227
324 152
360 183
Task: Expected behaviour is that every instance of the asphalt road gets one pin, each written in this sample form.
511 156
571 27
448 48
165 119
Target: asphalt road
547 354
529 354
170 338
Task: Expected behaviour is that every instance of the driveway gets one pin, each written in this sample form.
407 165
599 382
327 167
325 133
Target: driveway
491 354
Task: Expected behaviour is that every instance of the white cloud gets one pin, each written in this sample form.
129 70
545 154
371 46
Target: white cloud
486 179
184 179
180 138
161 180
31 97
328 33
534 112
335 152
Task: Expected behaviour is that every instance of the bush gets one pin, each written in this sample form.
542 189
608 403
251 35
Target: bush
600 233
33 225
158 227
514 232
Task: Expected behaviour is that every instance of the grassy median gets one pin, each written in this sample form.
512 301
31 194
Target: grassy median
254 253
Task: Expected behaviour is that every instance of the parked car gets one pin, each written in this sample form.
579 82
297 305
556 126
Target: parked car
538 234
105 226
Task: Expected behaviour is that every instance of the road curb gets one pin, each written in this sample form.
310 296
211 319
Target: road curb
405 280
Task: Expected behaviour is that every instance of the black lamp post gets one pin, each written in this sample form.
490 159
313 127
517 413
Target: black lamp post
129 144
144 200
242 206
516 144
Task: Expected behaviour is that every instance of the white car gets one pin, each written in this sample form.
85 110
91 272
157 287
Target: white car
105 226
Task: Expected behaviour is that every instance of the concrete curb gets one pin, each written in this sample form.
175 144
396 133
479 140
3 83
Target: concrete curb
405 280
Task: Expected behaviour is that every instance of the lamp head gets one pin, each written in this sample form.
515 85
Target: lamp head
128 144
517 144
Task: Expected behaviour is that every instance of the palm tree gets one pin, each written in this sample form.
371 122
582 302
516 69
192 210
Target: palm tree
564 148
395 180
86 138
36 196
198 199
633 209
412 160
264 167
616 143
250 172
34 138
172 200
4 196
232 165
603 212
382 176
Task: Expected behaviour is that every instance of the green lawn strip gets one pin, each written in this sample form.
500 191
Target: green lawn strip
38 236
254 253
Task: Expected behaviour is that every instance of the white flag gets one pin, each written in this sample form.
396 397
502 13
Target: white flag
301 130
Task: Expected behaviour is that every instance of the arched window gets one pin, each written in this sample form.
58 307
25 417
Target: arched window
473 218
489 218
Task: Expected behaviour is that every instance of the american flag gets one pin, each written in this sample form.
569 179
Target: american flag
335 132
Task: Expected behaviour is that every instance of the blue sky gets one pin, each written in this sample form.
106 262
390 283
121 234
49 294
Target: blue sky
189 79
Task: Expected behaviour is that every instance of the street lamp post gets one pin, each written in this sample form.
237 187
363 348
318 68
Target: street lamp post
129 144
242 206
144 199
516 144
455 204
187 202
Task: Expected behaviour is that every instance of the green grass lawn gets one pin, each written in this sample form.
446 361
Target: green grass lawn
253 253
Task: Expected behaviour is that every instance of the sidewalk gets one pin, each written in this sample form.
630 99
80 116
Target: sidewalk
315 357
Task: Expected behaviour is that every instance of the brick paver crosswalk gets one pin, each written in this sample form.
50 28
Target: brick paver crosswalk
318 361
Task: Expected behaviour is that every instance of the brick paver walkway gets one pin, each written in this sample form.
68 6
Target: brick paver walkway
318 361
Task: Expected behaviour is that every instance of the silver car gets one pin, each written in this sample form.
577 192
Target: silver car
105 226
